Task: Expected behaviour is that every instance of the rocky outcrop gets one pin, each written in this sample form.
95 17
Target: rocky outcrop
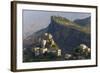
68 35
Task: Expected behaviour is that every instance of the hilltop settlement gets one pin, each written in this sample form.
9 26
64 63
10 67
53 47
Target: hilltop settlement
61 40
47 50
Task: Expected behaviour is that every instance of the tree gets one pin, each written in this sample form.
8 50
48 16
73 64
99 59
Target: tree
78 49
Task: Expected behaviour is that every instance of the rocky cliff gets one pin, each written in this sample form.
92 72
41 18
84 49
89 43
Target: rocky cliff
68 34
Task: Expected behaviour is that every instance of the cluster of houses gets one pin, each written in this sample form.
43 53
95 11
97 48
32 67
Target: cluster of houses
85 49
47 46
83 52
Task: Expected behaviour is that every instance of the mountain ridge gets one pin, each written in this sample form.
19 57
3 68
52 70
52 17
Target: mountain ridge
66 34
68 37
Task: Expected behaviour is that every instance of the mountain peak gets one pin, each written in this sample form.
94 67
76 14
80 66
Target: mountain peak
64 22
60 20
83 22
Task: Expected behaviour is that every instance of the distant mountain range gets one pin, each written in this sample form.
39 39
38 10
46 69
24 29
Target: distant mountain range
83 22
66 34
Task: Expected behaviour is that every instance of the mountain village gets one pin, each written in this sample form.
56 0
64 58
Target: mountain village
48 47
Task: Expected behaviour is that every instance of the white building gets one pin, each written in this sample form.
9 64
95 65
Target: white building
58 52
43 50
83 46
85 49
36 51
67 56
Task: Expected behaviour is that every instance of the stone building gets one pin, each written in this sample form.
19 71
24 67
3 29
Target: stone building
48 45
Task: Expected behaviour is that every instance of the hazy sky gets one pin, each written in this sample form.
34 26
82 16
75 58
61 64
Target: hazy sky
36 20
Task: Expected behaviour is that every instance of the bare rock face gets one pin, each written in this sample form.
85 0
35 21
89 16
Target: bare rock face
68 34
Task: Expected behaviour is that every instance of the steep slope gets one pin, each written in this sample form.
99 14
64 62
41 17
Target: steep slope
33 38
83 22
67 34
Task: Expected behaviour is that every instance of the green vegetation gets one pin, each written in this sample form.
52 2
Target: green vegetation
60 20
66 22
49 49
45 57
82 52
